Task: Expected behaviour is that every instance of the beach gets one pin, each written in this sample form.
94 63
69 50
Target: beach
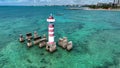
102 9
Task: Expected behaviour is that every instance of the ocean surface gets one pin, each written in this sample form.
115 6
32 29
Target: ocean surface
95 36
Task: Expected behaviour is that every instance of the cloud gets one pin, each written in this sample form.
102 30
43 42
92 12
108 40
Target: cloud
51 2
15 1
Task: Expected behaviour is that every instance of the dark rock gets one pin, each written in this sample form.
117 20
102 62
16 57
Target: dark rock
62 61
1 55
3 61
98 67
58 55
14 31
29 61
106 65
35 22
103 40
116 61
85 41
80 26
10 35
75 50
43 67
50 63
117 54
42 54
81 47
31 67
44 61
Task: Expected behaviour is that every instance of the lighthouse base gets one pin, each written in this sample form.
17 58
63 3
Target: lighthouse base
51 47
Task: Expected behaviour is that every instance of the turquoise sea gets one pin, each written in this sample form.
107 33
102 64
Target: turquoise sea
95 36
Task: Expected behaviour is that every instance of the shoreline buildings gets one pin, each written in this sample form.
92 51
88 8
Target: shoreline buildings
117 2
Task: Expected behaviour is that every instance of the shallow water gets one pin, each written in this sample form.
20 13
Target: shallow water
95 36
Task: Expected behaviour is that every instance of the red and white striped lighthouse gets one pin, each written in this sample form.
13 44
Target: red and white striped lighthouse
51 21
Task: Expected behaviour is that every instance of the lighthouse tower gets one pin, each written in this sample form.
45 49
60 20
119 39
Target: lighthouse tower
51 45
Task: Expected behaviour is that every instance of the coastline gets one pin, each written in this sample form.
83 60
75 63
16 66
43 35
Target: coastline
74 8
102 9
87 8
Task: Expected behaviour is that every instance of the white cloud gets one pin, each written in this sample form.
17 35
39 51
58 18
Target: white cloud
54 1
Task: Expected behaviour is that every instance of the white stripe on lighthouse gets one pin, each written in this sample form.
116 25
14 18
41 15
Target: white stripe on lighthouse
51 39
51 32
51 28
51 20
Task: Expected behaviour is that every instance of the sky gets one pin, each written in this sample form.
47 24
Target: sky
50 2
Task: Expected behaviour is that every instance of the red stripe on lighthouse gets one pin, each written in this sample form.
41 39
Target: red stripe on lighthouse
51 35
51 42
52 30
51 26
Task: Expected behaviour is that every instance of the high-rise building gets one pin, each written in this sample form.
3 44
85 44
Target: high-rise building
117 2
114 1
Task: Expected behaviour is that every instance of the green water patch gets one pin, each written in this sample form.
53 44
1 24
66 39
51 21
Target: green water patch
69 27
3 60
102 47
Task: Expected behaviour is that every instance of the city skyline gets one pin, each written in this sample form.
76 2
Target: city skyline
50 2
117 1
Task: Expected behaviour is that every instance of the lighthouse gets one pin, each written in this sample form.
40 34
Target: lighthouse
51 45
51 21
